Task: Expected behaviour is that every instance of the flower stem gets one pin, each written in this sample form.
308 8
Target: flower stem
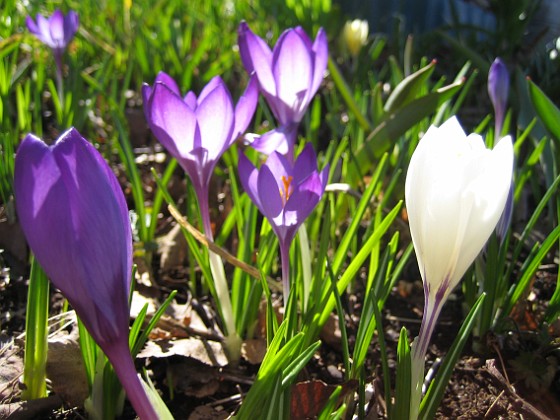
285 260
233 341
122 363
59 83
432 309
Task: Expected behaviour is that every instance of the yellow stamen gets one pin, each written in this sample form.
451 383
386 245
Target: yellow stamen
285 192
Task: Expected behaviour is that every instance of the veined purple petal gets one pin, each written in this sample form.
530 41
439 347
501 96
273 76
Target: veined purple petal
271 193
171 120
71 24
306 164
75 219
304 37
248 176
32 26
44 33
245 108
256 57
498 89
281 140
199 168
321 49
292 68
279 166
215 118
190 100
305 197
56 28
215 82
167 80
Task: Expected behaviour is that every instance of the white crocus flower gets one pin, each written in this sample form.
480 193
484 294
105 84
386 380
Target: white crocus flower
456 190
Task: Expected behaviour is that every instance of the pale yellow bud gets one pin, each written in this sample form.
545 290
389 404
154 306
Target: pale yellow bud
355 34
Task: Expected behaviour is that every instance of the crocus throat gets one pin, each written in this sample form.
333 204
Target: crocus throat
285 189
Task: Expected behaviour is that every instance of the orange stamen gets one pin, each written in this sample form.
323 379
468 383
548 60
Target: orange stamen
285 192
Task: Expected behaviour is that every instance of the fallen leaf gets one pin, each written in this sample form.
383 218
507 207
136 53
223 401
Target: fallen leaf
65 369
310 397
208 352
253 350
173 248
11 368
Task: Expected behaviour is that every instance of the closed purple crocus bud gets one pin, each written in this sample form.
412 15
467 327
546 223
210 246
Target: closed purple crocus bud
285 194
289 76
498 89
56 32
197 131
74 216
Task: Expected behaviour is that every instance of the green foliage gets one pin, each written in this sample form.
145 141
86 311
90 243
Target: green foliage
365 123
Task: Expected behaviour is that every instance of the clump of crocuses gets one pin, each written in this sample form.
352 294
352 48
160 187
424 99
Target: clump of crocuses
289 76
56 32
74 216
285 193
455 191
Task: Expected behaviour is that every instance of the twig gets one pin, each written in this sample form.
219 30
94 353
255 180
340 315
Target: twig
200 237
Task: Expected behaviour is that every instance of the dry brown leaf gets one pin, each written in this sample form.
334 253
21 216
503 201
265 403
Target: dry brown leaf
253 350
173 248
65 369
11 368
34 409
208 352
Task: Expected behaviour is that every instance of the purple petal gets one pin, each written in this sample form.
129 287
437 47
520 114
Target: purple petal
293 71
248 176
212 84
321 49
171 120
281 140
190 100
256 57
147 91
44 33
168 81
56 28
279 166
304 37
32 26
71 23
498 89
306 163
75 219
215 119
269 194
245 108
305 197
199 169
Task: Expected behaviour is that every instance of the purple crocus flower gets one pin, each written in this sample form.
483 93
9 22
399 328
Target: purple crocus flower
56 32
74 216
498 89
197 131
285 194
289 76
